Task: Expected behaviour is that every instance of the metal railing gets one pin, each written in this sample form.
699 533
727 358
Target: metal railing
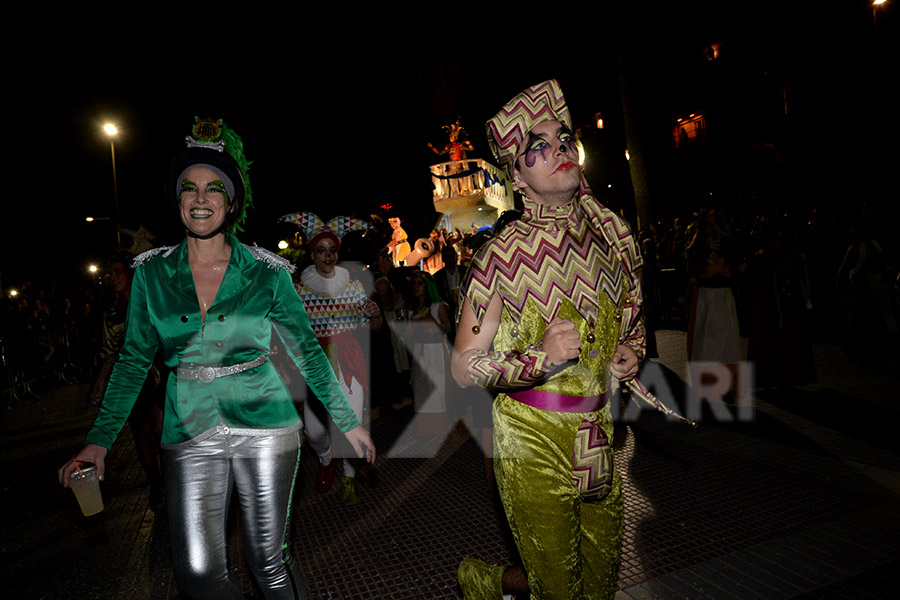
470 177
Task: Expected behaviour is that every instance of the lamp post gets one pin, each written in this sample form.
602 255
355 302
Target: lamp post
111 131
875 6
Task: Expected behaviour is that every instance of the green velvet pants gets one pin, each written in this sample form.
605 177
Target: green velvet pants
570 548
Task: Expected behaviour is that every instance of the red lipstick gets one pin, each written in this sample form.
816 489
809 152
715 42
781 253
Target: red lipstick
565 166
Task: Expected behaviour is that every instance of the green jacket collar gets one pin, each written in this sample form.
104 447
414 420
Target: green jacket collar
235 278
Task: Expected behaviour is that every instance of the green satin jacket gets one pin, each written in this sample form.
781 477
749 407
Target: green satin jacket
256 296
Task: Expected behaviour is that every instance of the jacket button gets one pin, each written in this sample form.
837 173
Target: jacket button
184 318
221 318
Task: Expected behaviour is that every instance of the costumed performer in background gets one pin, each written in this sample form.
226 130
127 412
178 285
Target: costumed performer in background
336 306
398 247
714 263
456 148
211 304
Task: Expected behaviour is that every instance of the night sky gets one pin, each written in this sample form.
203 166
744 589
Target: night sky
336 116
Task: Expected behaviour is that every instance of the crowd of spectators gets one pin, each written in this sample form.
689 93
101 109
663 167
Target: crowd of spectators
840 260
47 336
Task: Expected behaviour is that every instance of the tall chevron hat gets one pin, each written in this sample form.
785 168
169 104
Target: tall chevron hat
539 103
311 226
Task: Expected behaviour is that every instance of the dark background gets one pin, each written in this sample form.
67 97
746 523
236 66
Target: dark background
336 109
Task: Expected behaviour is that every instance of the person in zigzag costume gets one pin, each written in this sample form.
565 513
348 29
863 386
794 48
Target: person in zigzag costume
549 311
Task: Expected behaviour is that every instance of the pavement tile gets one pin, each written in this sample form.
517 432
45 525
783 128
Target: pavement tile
773 575
796 573
866 547
837 551
681 587
716 584
764 586
816 557
792 561
884 546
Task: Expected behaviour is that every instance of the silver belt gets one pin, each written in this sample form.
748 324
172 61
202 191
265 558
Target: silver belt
210 374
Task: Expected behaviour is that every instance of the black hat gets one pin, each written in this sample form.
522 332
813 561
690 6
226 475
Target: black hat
214 146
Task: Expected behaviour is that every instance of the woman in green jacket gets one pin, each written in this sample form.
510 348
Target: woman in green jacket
212 304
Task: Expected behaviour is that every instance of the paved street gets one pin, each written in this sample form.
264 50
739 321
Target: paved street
799 501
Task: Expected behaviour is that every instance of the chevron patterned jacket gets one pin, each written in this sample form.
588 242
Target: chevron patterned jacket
578 261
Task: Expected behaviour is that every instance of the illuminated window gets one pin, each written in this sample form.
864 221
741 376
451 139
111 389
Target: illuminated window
688 129
713 51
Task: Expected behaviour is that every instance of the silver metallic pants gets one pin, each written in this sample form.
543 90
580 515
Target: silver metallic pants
199 479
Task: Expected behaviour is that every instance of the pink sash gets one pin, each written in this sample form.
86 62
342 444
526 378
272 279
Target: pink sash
559 402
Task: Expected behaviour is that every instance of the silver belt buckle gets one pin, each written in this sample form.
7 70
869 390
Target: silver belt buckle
207 374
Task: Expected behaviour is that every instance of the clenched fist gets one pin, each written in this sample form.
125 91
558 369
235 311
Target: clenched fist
625 363
562 341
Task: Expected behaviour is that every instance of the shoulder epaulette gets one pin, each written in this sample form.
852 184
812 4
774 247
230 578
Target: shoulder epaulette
145 256
271 259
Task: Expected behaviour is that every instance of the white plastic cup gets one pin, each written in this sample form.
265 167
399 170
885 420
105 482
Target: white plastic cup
87 489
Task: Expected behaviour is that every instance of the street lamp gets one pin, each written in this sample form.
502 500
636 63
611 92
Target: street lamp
111 131
875 6
94 270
